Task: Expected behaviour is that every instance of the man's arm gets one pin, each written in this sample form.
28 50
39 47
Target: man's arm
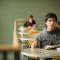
52 47
34 44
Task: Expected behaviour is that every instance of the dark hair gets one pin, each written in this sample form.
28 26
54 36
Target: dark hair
31 16
50 15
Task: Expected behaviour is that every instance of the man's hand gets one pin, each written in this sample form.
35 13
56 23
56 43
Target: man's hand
48 47
34 44
52 47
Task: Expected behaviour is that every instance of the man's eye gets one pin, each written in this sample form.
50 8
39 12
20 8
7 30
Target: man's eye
49 20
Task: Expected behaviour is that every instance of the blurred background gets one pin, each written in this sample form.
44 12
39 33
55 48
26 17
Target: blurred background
10 10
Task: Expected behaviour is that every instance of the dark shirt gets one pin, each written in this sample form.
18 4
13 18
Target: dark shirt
49 38
29 24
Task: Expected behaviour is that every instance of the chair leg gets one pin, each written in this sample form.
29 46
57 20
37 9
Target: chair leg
32 58
16 56
4 55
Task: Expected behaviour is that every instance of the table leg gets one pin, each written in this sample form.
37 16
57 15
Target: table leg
16 56
4 55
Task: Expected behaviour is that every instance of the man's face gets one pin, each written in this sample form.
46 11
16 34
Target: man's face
51 24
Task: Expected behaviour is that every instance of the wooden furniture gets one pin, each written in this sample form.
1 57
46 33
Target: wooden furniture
15 47
15 42
32 35
4 49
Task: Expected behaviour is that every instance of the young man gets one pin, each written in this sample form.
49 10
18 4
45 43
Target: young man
50 35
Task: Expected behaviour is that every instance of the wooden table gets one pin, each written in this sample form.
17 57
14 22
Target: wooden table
5 49
38 53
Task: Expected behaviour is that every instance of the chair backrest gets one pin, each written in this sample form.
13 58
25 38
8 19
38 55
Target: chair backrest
16 43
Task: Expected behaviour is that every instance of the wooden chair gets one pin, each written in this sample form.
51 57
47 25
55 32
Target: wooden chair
15 43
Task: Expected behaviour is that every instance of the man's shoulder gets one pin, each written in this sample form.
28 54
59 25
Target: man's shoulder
43 32
57 29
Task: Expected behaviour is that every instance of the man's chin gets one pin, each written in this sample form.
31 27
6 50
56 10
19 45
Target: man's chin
51 29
